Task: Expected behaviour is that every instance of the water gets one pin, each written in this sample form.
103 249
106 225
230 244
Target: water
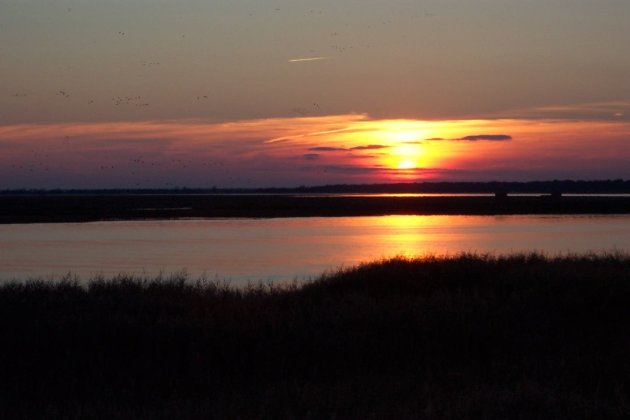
242 250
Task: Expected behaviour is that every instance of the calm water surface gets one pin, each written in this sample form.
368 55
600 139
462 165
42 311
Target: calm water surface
243 250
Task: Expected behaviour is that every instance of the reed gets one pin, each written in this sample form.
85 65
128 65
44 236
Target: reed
467 336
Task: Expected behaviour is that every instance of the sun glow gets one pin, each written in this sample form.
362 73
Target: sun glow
405 156
406 164
403 141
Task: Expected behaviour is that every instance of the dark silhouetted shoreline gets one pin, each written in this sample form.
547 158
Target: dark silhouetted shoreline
514 337
616 186
97 207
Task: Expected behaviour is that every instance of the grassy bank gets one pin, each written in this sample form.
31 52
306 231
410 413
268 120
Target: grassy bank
467 337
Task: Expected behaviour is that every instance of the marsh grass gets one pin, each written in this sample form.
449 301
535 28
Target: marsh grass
463 337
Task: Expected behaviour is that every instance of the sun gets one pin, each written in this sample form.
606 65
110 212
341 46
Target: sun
405 156
406 164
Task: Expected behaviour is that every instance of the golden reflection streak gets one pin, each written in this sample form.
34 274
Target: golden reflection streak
407 233
422 236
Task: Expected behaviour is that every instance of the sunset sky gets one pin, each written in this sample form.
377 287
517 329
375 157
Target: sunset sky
232 93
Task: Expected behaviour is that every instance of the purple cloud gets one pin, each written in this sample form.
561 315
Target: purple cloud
370 147
327 149
478 137
489 137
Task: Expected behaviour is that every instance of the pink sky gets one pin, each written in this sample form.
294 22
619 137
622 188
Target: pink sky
269 152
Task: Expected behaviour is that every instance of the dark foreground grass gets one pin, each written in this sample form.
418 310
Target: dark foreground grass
468 337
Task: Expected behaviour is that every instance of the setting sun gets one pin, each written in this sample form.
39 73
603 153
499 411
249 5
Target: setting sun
405 156
406 164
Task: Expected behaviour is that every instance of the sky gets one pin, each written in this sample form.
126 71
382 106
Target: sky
232 93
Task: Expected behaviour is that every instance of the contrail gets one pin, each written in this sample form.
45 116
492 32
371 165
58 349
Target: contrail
298 60
298 136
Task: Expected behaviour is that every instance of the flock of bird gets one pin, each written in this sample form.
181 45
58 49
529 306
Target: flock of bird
40 161
137 102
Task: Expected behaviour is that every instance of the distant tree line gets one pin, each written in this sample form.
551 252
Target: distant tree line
617 186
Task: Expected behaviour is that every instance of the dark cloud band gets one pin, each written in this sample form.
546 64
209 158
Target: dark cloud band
327 149
488 137
342 149
370 147
478 137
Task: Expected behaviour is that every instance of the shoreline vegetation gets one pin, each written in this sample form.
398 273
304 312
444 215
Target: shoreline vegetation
610 186
463 337
492 198
60 208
